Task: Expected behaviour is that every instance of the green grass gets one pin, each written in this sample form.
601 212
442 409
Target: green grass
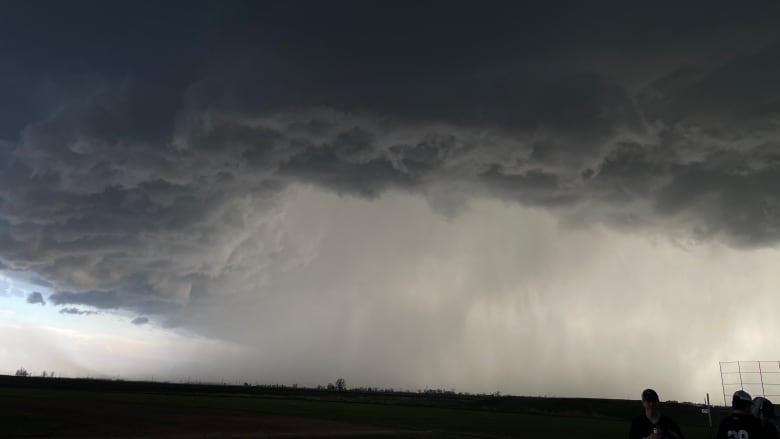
27 417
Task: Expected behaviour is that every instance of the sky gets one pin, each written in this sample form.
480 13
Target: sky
537 198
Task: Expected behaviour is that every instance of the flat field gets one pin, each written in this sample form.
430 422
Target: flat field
70 411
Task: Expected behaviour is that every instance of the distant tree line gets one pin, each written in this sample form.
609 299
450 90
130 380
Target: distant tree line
22 372
339 385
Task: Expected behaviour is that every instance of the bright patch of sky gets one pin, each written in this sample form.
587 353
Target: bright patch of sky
102 345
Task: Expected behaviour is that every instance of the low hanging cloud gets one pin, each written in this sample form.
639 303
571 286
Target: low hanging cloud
77 311
97 299
140 321
35 298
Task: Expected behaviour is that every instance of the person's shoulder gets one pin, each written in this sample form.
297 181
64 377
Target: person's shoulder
770 431
731 419
756 423
639 420
669 420
670 424
746 421
739 416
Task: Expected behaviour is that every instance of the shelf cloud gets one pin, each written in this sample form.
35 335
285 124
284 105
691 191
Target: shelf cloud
200 178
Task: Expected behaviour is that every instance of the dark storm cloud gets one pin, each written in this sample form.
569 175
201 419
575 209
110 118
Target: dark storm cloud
140 321
123 177
35 297
137 300
98 299
323 166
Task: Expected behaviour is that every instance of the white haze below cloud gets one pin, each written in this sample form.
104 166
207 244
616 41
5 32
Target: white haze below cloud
389 293
139 354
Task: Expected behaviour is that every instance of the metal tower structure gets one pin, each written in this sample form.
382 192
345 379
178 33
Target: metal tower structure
757 377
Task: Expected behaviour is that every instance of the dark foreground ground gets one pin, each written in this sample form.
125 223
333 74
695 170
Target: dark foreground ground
35 407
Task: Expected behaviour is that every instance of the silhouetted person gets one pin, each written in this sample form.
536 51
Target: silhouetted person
652 424
764 410
740 424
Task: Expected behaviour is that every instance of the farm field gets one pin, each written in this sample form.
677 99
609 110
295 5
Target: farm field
84 411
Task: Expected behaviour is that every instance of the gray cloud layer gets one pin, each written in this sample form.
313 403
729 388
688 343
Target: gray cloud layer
76 311
162 195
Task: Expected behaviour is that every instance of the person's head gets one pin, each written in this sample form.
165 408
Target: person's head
741 401
763 409
650 400
758 401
